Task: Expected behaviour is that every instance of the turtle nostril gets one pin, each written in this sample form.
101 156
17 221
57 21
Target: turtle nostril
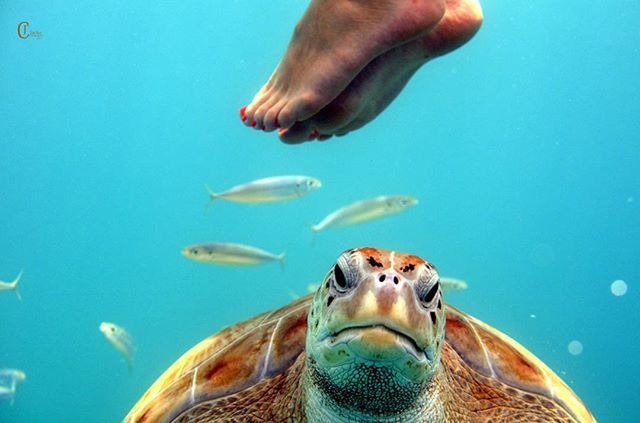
382 278
329 301
395 280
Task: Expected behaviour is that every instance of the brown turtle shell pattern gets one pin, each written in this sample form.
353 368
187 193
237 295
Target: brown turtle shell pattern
242 355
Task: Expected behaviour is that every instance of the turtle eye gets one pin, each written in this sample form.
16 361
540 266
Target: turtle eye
339 279
426 296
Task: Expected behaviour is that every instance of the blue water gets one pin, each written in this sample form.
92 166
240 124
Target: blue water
523 148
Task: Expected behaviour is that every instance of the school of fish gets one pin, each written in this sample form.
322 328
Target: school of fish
282 188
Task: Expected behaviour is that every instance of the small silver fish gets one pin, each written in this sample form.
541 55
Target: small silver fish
451 284
120 339
9 379
362 211
275 188
230 253
12 286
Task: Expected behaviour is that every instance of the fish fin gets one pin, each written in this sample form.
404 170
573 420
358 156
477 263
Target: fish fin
13 391
15 283
314 231
212 197
281 257
293 295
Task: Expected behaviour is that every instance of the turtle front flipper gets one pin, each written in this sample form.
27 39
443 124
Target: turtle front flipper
487 376
222 373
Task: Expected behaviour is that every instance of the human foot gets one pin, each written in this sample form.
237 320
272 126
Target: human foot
381 81
332 43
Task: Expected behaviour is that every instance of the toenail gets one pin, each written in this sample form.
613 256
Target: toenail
243 115
314 134
252 122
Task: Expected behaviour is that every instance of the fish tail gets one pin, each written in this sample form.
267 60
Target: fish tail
14 285
281 257
314 230
449 285
212 197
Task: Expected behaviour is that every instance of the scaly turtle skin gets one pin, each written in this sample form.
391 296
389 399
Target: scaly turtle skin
375 343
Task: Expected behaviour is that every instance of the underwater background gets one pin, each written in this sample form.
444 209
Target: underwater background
523 148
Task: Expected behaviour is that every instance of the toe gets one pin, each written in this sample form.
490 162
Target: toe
270 118
260 98
285 117
300 109
264 110
259 115
297 134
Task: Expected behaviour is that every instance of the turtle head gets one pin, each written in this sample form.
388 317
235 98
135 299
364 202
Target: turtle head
375 328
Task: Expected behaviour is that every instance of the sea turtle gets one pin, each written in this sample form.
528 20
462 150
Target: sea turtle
376 342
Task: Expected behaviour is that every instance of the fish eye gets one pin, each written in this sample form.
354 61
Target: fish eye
113 329
194 251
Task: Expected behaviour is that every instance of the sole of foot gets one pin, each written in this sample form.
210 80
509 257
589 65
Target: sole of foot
383 79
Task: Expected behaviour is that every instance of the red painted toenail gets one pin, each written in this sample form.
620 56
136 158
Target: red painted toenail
281 131
252 122
314 134
243 116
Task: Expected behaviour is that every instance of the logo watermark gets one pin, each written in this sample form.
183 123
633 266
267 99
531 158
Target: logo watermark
25 32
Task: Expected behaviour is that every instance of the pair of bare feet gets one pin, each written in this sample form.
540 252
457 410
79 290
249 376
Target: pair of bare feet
349 59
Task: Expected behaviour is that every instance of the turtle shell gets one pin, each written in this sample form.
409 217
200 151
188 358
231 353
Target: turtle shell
243 355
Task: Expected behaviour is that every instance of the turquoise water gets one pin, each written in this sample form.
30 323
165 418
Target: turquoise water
523 148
